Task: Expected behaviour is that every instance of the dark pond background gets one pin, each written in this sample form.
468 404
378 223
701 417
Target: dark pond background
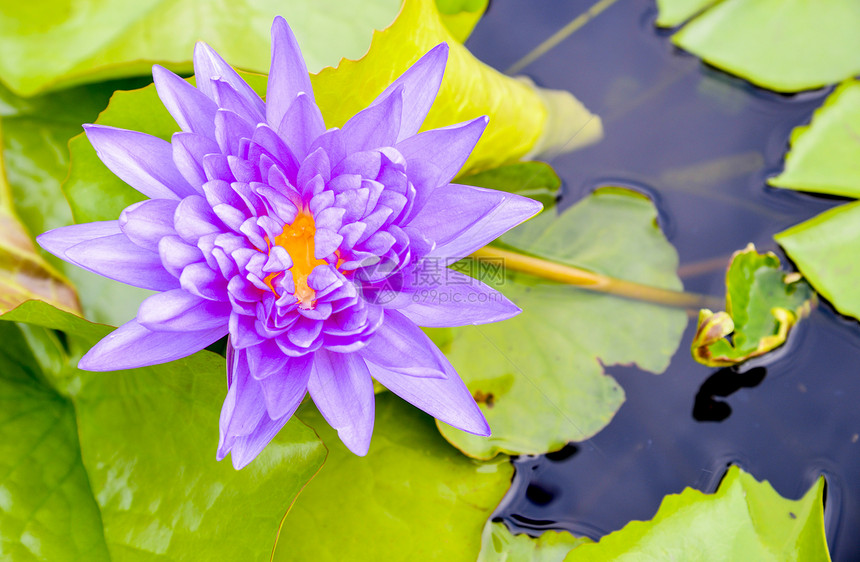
701 143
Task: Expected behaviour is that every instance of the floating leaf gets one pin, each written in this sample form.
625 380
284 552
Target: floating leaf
523 119
499 545
825 154
784 45
536 180
762 304
744 520
824 158
539 377
57 43
413 497
147 440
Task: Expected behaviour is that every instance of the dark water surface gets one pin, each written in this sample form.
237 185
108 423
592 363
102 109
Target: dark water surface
701 143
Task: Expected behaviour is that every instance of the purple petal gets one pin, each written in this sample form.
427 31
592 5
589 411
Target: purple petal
376 126
283 390
142 161
341 387
147 222
446 399
58 240
230 129
400 346
228 98
208 65
118 258
420 84
179 311
288 76
189 149
244 426
434 157
462 218
194 218
301 125
131 346
455 300
176 254
192 110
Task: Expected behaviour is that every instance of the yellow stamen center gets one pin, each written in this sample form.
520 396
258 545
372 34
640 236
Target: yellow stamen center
298 240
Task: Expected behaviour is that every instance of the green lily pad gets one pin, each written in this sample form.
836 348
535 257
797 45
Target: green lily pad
824 158
461 16
536 180
413 497
824 155
524 119
499 545
47 509
783 45
147 440
762 304
114 38
539 377
744 520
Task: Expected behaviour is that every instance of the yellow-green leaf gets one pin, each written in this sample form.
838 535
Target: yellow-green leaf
524 119
744 520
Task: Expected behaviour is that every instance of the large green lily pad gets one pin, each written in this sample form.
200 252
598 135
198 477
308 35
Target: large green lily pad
539 377
744 520
783 45
762 304
413 497
115 38
825 158
499 545
147 441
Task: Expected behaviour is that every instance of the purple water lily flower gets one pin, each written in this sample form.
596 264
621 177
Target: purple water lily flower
318 251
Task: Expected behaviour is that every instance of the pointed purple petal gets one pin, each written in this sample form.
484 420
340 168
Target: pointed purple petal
456 300
179 311
245 427
208 65
288 75
142 161
462 218
131 346
376 126
420 85
228 98
118 258
447 399
434 157
192 110
283 390
400 346
341 387
189 149
58 240
147 222
301 125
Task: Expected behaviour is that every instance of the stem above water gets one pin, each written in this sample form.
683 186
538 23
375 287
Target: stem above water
591 281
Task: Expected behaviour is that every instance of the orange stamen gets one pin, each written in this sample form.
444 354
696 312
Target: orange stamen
298 240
